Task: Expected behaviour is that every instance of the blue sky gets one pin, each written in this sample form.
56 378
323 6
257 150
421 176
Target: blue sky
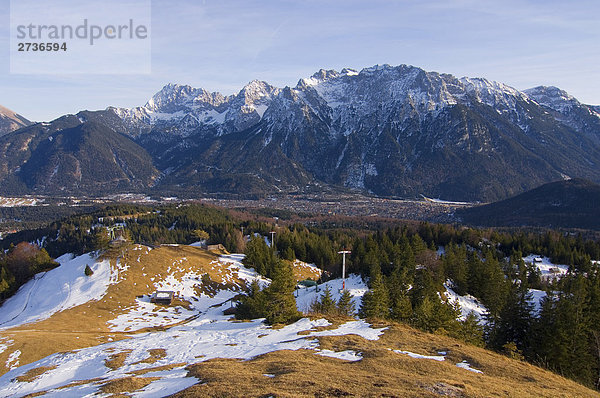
222 45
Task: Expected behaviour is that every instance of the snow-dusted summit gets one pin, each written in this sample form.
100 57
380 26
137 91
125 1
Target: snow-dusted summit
396 131
186 108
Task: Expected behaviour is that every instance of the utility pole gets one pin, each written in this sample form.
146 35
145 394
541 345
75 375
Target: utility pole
272 240
343 253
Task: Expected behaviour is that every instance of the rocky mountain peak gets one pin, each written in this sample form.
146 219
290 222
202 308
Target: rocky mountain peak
10 121
552 97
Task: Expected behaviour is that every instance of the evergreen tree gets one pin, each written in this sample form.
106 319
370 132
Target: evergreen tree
492 285
513 323
455 263
100 239
326 304
280 306
471 330
401 310
375 302
564 331
345 306
7 282
433 315
398 287
253 305
260 256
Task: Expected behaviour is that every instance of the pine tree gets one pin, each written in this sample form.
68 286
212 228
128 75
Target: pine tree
471 330
7 282
100 239
401 310
345 306
433 315
493 285
260 256
398 287
326 304
280 304
513 323
253 305
455 263
564 331
375 302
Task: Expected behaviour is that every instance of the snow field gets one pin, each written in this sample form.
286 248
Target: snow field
56 290
210 336
546 267
354 284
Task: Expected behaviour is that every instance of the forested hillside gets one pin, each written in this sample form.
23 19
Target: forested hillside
409 267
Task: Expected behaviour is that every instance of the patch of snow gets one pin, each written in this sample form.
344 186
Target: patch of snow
207 337
260 109
548 269
170 382
63 287
354 284
438 358
348 355
536 299
467 303
5 342
13 360
467 366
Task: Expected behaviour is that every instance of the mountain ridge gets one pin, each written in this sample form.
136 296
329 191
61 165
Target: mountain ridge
562 204
10 121
392 131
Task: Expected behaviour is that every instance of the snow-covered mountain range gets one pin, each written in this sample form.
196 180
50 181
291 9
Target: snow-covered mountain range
389 130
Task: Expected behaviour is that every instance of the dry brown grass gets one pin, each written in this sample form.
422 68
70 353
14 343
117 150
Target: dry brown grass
303 272
381 372
86 325
124 385
34 373
115 361
155 354
80 383
35 394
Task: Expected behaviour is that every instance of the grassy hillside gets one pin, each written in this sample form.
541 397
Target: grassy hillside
119 343
381 372
137 273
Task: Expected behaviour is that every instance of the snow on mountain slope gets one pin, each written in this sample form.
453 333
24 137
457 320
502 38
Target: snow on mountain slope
56 290
188 109
210 336
344 97
159 341
354 284
546 267
552 97
205 334
467 303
